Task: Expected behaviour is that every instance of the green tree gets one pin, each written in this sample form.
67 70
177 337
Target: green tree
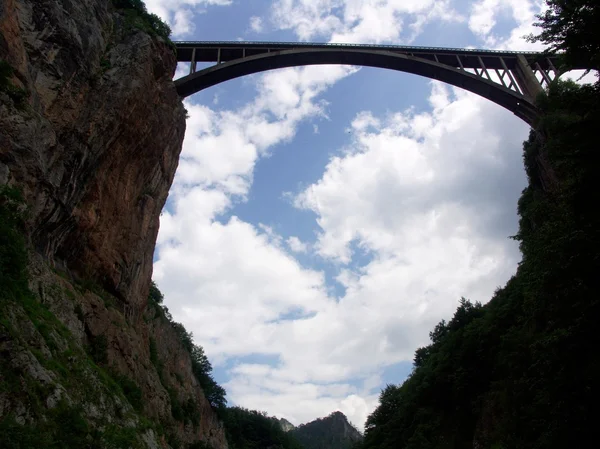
13 257
251 429
155 294
151 22
331 432
572 26
520 372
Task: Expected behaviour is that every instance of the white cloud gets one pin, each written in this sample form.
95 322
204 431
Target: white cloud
297 245
240 282
183 22
429 197
484 17
359 21
222 147
299 402
179 14
387 181
486 13
205 266
256 24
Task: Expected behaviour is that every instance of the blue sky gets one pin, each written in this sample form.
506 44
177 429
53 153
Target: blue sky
324 219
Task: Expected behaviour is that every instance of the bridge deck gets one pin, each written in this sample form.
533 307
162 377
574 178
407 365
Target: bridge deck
214 51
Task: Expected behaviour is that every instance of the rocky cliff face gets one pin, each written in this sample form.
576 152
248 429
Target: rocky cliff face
90 132
70 352
96 144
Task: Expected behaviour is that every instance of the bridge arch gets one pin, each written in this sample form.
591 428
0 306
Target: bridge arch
521 105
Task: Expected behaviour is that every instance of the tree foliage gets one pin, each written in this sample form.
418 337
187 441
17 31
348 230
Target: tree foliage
13 257
250 429
572 26
155 294
521 371
17 94
201 366
331 432
148 22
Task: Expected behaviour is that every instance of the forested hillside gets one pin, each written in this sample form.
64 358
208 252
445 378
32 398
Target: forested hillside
331 432
521 371
250 429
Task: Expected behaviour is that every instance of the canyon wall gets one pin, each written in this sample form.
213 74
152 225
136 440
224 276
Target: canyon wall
95 145
91 129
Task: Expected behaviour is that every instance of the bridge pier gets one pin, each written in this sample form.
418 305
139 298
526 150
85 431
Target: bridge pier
193 62
525 77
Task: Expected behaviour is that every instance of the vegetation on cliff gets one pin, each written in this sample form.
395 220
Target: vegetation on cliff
59 394
13 259
80 366
43 367
331 432
17 94
571 26
521 371
201 366
139 17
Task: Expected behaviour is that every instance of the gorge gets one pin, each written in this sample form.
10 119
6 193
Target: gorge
91 130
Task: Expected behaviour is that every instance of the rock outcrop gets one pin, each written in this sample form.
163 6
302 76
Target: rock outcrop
96 144
285 425
70 348
91 129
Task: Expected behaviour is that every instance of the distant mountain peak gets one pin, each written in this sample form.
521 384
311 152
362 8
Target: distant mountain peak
286 426
332 432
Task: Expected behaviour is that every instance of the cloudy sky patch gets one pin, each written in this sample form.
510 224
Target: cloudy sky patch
311 265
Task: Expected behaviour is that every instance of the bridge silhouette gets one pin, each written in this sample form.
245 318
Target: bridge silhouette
511 79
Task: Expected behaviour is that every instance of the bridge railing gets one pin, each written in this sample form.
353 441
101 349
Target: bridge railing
324 44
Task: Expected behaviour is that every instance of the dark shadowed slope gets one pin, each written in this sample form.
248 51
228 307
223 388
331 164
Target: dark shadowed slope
332 432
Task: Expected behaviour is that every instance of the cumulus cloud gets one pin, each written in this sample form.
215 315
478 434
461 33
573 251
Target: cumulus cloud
485 14
222 147
359 21
179 14
296 245
413 213
299 402
256 24
430 195
394 169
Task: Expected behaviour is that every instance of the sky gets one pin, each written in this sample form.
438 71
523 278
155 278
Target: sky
323 219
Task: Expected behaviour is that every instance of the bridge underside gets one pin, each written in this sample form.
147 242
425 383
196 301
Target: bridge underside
511 80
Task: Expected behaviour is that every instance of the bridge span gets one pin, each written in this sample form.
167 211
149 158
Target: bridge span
510 79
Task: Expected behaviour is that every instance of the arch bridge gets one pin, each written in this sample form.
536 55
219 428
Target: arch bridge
510 79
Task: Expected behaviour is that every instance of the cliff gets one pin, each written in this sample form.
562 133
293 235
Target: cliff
96 144
90 133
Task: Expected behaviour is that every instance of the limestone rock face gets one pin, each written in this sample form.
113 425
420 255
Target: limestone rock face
93 147
48 358
96 143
